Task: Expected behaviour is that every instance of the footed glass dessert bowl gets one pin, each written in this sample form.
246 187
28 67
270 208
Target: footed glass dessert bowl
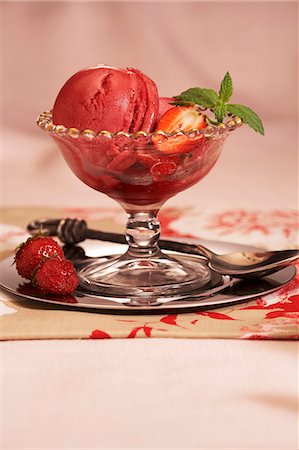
141 171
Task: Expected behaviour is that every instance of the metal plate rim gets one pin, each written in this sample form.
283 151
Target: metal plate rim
103 304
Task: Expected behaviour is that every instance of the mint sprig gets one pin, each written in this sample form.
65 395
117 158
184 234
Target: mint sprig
220 111
218 103
226 88
248 116
200 96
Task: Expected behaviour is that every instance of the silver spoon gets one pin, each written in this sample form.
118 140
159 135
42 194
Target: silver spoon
247 264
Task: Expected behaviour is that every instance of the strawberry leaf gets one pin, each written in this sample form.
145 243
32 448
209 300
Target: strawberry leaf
220 111
207 98
226 88
248 116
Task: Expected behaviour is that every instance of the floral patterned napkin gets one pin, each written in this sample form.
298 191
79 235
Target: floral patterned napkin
274 316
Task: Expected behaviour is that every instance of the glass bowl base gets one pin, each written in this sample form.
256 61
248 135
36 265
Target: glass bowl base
145 278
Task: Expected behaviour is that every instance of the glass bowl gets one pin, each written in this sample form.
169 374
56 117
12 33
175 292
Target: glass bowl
141 171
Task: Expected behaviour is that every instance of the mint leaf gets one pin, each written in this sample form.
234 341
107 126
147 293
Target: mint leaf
181 103
226 88
248 116
220 111
198 96
208 98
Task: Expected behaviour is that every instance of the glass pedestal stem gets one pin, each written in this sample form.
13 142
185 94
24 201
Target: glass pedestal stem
142 234
143 272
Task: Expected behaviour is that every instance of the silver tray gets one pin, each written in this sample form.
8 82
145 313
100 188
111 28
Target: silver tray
222 291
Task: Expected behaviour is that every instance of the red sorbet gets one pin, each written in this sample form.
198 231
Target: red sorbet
107 98
164 106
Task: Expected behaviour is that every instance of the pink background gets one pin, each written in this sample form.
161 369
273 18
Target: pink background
179 45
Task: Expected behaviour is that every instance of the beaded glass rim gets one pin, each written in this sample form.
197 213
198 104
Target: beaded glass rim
45 122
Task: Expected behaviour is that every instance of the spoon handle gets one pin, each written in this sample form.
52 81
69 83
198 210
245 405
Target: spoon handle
73 231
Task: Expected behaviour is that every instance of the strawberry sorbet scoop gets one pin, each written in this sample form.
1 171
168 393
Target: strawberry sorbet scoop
107 98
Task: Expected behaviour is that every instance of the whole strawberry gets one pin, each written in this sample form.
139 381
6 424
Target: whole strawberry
30 253
55 275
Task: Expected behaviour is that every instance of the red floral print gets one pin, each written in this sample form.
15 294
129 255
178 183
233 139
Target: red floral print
146 329
215 315
246 222
99 334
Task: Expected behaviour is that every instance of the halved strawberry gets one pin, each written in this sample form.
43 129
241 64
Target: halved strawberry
123 161
149 159
179 118
162 170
